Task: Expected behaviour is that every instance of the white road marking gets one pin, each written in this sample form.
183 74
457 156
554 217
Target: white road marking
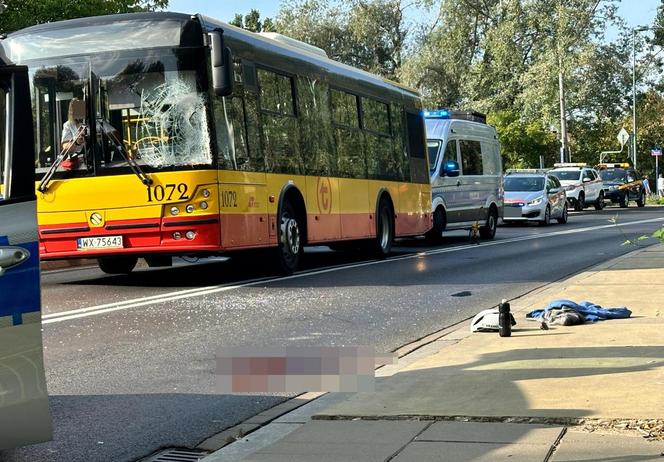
198 292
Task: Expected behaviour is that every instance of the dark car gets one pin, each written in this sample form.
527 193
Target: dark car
622 184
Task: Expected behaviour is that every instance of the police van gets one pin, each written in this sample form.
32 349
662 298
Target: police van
24 414
466 172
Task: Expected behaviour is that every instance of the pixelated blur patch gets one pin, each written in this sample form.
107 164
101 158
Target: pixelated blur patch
298 369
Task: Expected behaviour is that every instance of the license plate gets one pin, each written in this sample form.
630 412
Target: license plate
512 212
104 242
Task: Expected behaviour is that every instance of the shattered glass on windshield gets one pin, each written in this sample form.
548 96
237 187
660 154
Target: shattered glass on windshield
172 128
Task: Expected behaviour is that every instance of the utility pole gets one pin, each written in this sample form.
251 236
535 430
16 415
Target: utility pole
634 97
563 120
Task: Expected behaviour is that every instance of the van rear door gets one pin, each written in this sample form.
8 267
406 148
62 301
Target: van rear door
24 413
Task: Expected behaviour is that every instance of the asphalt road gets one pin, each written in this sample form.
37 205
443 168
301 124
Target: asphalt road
130 359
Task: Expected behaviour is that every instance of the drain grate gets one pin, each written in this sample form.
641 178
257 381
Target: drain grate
177 455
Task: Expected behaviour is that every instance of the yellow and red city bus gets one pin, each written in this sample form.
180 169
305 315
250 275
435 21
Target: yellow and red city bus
198 138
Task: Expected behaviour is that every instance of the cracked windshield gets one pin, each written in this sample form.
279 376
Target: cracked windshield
331 230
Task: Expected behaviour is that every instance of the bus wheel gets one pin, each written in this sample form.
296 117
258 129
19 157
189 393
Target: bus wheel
117 265
384 229
435 234
290 240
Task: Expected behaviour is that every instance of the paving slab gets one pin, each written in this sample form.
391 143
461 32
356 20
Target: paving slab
481 432
593 447
472 452
253 442
342 440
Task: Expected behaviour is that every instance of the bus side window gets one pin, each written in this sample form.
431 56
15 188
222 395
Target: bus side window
280 127
316 126
345 118
377 141
398 141
419 166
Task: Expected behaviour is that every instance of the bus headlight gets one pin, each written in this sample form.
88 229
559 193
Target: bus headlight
204 205
189 208
206 193
190 235
177 235
175 211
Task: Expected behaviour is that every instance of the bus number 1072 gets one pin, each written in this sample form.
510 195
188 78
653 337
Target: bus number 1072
167 192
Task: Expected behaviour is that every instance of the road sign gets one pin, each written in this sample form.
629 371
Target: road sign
623 137
656 152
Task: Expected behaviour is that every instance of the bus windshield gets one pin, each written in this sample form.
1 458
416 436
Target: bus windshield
144 105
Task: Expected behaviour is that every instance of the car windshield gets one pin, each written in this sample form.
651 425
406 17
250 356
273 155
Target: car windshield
567 175
524 184
613 175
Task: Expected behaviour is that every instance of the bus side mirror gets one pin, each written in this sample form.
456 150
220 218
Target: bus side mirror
222 64
449 168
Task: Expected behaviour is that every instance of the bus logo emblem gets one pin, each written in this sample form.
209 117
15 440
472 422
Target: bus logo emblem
96 219
324 195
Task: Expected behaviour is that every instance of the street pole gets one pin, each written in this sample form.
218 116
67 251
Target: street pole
634 95
563 121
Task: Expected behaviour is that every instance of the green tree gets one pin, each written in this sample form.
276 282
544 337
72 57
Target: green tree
24 13
252 22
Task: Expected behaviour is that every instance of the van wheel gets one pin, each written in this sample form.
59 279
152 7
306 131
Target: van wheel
117 265
384 229
488 231
289 240
435 234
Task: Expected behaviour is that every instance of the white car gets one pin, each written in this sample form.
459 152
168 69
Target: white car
531 195
582 185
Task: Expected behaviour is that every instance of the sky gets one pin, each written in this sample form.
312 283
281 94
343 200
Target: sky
635 12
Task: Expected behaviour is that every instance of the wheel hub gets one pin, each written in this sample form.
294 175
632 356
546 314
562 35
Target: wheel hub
290 235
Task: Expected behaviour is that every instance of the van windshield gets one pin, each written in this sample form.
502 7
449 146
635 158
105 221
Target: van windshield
433 146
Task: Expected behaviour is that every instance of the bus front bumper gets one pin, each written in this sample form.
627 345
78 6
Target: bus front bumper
175 236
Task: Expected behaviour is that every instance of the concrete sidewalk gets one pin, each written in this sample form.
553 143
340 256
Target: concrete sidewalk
578 393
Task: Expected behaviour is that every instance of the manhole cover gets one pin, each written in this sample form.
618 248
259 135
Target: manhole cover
177 455
465 293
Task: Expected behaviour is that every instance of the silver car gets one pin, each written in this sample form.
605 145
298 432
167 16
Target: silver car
531 196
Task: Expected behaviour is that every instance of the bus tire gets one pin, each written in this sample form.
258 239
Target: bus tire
289 239
117 265
382 245
435 234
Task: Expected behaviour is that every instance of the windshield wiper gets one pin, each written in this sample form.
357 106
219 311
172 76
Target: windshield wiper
64 153
133 165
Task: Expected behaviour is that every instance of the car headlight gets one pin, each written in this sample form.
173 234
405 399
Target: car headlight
536 201
570 187
613 188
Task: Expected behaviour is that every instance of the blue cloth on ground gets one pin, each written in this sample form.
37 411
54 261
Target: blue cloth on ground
590 311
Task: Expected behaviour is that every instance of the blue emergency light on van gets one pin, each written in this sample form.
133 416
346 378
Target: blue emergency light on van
438 114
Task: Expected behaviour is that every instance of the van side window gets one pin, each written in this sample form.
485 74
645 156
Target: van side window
490 157
471 157
450 151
